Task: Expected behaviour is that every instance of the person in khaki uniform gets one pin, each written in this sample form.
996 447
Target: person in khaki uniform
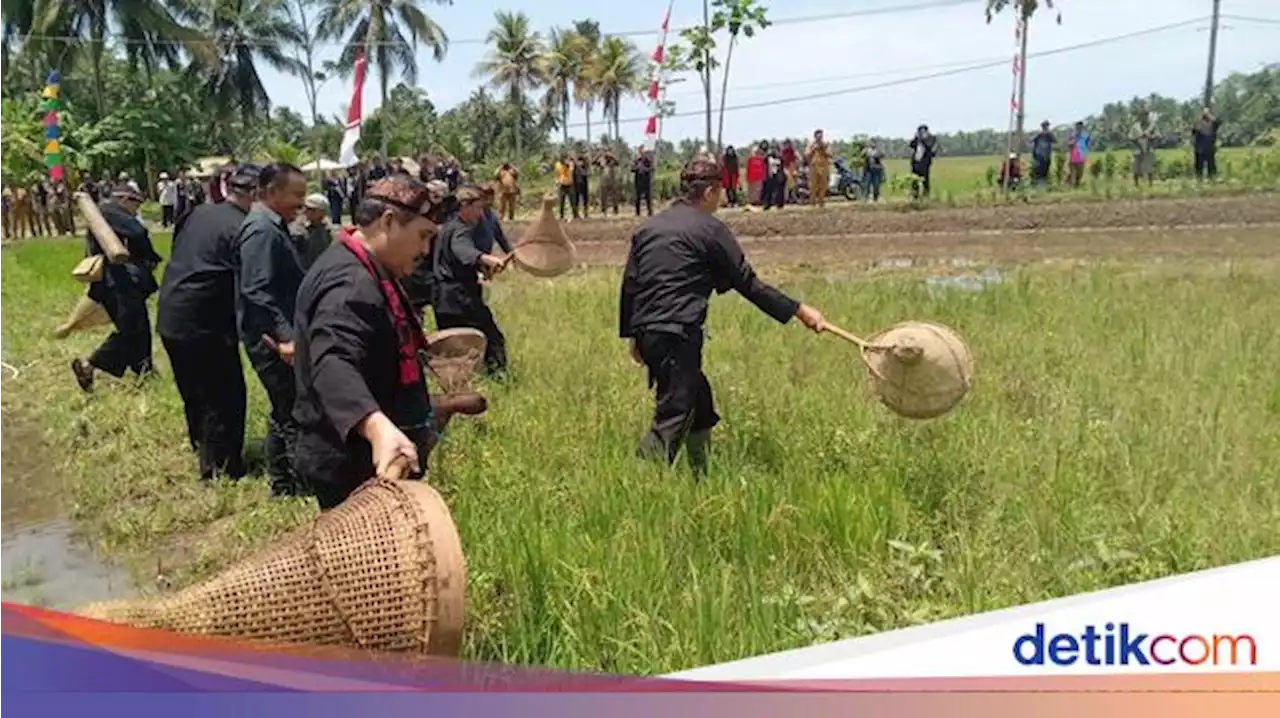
818 155
509 189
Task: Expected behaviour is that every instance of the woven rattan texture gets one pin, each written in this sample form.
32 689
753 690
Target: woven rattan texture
928 387
363 575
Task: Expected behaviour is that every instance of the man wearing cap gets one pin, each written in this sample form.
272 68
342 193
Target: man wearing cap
122 290
168 191
677 258
458 261
362 396
269 273
311 230
196 321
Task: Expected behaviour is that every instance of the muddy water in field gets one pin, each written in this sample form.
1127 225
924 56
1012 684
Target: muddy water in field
45 563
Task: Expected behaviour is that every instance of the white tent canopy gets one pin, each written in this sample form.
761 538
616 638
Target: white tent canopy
322 165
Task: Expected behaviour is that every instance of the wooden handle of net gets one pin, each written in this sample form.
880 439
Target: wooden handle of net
111 244
847 336
398 470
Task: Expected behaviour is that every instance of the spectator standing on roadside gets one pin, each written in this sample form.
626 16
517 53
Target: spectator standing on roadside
873 170
1205 136
924 147
642 179
168 191
1078 149
757 171
1042 154
1143 136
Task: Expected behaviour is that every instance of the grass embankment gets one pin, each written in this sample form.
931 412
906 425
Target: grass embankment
1124 426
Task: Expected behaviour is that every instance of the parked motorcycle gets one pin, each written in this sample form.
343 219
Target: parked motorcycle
843 183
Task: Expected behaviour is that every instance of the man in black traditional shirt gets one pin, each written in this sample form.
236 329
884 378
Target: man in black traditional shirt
677 258
122 290
458 262
362 397
196 321
269 274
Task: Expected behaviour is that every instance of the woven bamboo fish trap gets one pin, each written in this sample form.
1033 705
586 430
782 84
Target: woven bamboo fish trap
544 250
920 370
87 314
383 571
453 355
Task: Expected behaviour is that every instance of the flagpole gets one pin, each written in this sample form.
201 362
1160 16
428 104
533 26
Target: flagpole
653 131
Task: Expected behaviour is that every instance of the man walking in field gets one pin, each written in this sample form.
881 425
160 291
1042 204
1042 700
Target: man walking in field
677 259
1143 135
458 260
269 273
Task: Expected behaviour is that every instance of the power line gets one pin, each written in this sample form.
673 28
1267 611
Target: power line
930 76
801 19
1248 18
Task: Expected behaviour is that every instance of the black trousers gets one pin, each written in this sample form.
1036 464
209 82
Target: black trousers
644 191
1206 163
581 197
566 196
775 191
479 317
683 401
922 185
282 431
167 215
129 346
210 380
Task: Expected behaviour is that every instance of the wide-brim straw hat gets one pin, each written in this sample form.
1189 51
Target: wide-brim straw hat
920 370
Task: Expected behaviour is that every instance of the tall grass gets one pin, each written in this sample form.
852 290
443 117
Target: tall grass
1124 426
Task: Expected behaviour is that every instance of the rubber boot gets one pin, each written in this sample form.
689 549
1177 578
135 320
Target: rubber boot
697 447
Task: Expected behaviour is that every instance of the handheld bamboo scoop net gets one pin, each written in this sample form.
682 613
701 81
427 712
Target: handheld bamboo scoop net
920 370
383 571
453 355
544 250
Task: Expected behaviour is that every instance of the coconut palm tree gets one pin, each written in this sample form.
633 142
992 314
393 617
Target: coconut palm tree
242 34
560 66
618 73
514 63
388 32
150 31
584 82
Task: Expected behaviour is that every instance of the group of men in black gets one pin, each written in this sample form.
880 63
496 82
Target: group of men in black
340 348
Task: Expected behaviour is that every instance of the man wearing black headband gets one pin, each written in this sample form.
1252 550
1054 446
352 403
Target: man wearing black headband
122 290
458 260
196 321
362 398
269 273
677 258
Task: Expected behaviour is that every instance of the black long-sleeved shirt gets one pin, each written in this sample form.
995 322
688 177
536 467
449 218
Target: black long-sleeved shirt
488 233
677 258
455 263
347 366
270 273
198 292
138 270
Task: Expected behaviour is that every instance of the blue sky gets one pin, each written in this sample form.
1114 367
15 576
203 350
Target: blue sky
804 58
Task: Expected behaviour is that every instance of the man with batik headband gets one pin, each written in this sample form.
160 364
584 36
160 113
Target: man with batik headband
122 289
458 261
362 401
677 258
441 206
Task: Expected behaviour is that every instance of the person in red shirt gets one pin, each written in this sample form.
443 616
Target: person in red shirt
756 168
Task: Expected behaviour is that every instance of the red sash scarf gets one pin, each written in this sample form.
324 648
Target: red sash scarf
408 328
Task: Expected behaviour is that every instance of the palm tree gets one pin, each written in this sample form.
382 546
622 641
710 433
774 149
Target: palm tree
150 31
514 63
584 83
391 31
619 72
560 64
243 32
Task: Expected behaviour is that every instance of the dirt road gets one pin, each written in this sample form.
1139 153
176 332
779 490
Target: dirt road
848 220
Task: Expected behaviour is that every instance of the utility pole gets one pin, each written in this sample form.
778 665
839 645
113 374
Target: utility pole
706 67
1213 52
1022 76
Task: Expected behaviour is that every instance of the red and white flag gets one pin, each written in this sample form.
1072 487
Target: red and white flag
656 79
351 135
